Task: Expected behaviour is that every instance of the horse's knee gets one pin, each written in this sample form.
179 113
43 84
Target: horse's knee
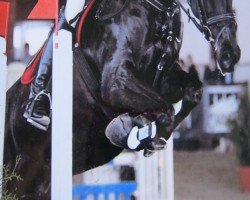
198 95
165 123
193 95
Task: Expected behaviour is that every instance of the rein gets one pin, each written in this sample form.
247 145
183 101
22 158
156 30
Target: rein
156 4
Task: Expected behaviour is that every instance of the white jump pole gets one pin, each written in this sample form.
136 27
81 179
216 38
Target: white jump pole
155 175
62 94
3 79
169 167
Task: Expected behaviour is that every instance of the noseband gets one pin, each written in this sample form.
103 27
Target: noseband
205 22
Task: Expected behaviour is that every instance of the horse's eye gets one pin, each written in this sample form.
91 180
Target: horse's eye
221 24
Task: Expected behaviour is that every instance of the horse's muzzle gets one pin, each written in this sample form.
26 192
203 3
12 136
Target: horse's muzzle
227 57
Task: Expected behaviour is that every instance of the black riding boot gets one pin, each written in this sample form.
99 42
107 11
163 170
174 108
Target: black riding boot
37 110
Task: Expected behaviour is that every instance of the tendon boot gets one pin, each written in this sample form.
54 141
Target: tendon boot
144 136
134 133
141 134
38 111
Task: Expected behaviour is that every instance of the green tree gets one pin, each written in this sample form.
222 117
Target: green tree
8 176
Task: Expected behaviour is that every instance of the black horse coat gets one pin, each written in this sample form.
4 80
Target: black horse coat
125 51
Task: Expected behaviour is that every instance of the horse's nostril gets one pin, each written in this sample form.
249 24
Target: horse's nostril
230 53
237 54
227 56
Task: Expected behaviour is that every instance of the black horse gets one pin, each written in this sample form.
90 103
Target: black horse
132 47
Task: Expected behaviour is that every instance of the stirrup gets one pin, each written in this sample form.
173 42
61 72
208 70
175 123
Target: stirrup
138 136
44 92
41 123
34 123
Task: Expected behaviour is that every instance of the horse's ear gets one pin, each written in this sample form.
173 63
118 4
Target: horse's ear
194 7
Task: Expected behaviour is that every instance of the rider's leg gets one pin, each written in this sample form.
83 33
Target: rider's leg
37 112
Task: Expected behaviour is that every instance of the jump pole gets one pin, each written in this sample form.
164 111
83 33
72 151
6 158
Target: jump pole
155 175
4 16
62 94
168 190
3 79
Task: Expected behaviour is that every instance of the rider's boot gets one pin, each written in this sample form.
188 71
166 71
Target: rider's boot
37 111
134 133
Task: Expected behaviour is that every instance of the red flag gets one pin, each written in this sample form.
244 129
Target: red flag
45 9
4 16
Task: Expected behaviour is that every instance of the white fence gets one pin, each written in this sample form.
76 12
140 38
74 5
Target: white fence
62 92
155 175
219 103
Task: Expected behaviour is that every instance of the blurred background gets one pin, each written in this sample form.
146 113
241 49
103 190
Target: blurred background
206 157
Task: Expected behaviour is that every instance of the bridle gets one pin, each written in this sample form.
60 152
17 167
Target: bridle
170 10
205 22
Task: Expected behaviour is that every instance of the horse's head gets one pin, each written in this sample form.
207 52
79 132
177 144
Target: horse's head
217 20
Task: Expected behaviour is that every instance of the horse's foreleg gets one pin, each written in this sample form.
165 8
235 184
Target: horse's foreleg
122 90
192 97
